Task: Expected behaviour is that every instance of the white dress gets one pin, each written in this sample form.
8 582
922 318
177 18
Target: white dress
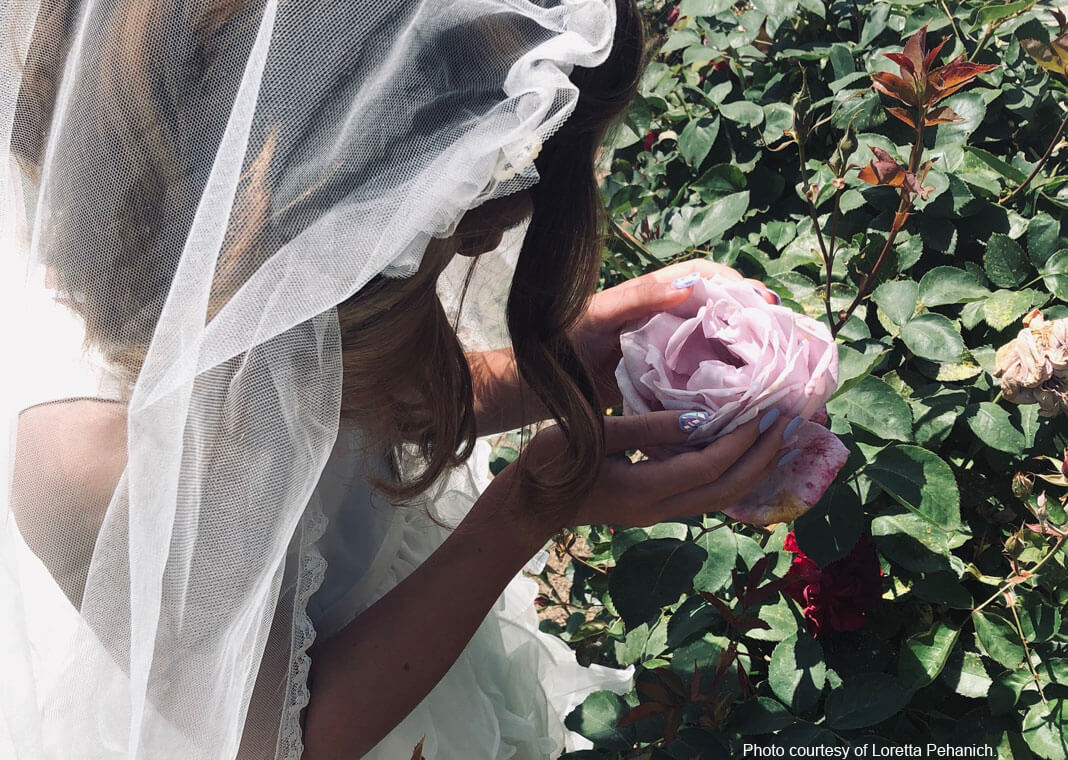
507 695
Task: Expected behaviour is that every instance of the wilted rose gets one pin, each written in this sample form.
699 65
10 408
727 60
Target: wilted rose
726 351
1033 367
838 596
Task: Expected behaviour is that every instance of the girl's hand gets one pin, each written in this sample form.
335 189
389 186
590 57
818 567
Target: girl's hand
692 483
596 335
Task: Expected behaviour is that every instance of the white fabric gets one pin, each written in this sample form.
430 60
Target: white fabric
202 187
506 696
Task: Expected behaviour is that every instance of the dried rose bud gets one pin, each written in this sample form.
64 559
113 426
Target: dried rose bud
1033 368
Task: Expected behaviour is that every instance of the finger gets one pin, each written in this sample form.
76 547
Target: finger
659 480
703 267
757 464
768 295
641 431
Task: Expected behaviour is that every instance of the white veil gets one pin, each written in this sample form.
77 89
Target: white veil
189 188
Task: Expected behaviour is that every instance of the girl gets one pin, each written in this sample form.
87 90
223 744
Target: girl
226 221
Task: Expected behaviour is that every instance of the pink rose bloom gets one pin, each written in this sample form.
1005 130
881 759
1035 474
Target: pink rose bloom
726 351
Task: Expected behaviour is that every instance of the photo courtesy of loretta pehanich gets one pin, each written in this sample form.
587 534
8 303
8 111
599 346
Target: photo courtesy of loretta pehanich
864 751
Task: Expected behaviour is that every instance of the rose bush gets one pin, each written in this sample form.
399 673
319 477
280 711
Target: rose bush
725 350
923 242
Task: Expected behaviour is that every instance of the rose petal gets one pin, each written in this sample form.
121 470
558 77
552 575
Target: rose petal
795 487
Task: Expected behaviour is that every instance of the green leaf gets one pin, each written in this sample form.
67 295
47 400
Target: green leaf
1006 306
997 11
865 700
760 716
1003 168
966 674
704 7
722 549
1043 729
915 544
949 285
1004 261
797 672
709 225
1055 274
1043 237
743 112
934 337
874 406
924 655
998 639
897 299
596 719
651 575
943 588
920 481
829 530
696 140
992 425
875 24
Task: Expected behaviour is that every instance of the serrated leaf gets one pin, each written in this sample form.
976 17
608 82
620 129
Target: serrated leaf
924 655
1004 307
721 546
696 140
920 481
898 299
742 112
1004 261
1055 274
865 700
998 639
1043 729
597 719
874 406
992 425
934 337
651 575
797 672
949 285
708 225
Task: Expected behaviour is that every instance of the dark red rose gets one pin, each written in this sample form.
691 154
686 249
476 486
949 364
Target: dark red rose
838 596
673 16
650 138
721 65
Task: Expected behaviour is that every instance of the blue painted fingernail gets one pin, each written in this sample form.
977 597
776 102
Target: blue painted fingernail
768 420
789 457
778 301
686 281
795 423
762 291
690 421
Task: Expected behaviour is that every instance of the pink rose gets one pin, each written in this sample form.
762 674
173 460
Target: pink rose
726 351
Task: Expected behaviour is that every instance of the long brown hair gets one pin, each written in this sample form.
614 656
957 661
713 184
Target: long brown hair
392 328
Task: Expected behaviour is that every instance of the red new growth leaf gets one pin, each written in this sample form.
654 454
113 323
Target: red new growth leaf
902 114
644 710
895 87
947 80
941 115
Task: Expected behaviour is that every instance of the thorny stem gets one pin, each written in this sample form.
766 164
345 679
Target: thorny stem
1027 653
828 254
895 227
580 560
830 257
1041 162
952 21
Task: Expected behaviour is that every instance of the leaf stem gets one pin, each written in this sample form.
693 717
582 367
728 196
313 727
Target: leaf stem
1041 162
952 22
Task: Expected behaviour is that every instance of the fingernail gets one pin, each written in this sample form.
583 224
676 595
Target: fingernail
761 291
686 281
768 420
789 457
791 429
778 301
691 421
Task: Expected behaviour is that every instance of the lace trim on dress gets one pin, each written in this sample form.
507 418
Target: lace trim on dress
312 570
